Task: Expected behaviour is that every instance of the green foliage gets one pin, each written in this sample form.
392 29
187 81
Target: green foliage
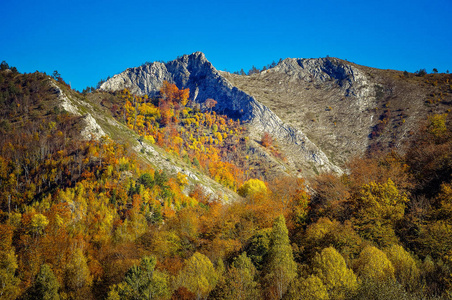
147 180
142 281
240 280
46 285
258 247
281 268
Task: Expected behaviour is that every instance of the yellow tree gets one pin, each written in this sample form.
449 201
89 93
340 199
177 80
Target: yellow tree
198 275
252 187
378 209
374 265
405 268
331 268
9 283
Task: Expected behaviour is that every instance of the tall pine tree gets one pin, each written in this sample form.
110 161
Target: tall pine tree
281 266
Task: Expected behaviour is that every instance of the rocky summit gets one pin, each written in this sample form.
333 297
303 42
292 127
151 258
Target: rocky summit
322 112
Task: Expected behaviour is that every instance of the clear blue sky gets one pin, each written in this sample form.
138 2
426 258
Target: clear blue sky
90 40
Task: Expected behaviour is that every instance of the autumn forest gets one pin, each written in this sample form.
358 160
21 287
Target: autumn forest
90 219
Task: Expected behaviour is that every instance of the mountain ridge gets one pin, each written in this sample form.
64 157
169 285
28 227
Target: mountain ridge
204 81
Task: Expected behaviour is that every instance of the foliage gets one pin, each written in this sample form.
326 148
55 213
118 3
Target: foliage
143 281
406 270
281 267
198 275
46 285
373 264
252 187
308 288
240 280
378 209
331 268
88 219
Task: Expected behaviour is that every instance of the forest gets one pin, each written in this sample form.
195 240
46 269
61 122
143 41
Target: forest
88 219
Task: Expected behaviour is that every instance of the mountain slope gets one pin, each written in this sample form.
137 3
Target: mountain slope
204 81
344 108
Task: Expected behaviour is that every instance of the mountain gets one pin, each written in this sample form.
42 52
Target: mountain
322 112
140 188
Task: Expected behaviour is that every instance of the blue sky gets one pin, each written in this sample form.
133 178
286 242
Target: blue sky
90 40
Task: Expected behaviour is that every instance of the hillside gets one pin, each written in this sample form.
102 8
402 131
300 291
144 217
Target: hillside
344 108
204 81
178 181
310 106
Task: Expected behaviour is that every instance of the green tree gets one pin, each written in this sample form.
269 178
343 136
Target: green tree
198 275
240 280
331 268
258 247
281 267
46 285
142 281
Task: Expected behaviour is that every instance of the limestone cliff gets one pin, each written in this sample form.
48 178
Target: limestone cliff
204 81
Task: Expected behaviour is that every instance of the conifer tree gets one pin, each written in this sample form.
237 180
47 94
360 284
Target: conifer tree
142 282
240 283
281 266
46 285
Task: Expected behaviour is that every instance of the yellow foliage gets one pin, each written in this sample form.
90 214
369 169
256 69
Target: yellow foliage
252 187
331 268
406 270
373 264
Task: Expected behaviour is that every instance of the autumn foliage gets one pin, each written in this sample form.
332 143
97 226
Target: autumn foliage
87 219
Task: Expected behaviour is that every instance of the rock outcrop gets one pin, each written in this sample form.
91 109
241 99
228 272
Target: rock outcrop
332 102
204 81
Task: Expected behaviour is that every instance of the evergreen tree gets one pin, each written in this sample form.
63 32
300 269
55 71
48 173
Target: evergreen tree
240 283
46 285
281 266
142 282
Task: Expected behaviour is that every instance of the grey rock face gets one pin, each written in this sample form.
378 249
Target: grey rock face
204 81
328 100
